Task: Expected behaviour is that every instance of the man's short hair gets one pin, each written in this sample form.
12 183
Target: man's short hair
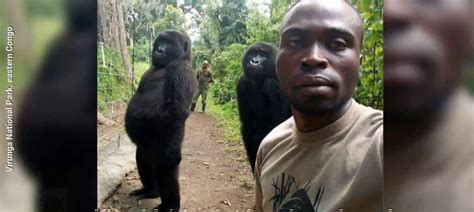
352 6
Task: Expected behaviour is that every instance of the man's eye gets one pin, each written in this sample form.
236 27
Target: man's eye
295 43
337 45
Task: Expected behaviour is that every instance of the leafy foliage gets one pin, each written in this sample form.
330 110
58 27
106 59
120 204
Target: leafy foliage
227 70
112 82
141 51
228 119
261 28
370 88
173 18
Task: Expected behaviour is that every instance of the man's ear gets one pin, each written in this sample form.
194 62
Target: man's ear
361 57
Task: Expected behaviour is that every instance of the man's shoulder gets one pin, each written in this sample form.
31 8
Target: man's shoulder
374 116
369 122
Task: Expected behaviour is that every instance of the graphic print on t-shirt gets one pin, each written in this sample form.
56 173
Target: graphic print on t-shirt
290 196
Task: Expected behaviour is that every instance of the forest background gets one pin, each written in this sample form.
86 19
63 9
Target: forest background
221 32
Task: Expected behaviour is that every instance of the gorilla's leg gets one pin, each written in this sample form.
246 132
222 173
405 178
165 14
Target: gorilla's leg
62 192
252 148
51 198
168 158
169 188
146 171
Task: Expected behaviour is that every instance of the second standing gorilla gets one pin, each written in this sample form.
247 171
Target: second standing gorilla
262 105
156 116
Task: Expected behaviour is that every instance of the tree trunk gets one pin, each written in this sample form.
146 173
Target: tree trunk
112 30
122 38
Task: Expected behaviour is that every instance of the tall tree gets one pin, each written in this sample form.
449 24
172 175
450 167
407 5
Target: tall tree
112 29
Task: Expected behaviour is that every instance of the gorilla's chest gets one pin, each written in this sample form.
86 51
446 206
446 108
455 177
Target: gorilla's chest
153 83
260 101
151 93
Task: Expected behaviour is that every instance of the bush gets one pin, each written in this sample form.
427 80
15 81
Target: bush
370 88
141 51
227 116
227 71
112 82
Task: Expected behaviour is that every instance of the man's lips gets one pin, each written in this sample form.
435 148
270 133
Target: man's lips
407 68
312 81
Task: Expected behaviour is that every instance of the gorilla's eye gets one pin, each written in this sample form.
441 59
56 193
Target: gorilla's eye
338 44
162 47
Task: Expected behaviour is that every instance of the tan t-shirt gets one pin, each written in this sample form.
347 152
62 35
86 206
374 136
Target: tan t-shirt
436 172
336 167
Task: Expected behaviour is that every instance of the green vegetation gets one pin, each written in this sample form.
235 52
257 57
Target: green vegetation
370 88
112 82
227 116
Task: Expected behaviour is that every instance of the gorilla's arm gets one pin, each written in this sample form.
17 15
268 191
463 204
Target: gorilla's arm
245 109
278 103
179 88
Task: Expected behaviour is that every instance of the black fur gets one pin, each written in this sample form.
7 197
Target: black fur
57 122
156 117
262 105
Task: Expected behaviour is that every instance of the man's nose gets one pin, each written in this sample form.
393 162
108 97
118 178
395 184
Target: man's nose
314 59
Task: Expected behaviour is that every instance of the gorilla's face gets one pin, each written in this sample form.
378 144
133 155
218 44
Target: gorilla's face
259 61
169 46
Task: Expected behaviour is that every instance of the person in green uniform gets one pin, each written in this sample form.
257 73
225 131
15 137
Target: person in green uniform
204 77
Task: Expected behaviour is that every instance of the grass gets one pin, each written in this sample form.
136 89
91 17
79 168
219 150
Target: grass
228 120
140 68
121 90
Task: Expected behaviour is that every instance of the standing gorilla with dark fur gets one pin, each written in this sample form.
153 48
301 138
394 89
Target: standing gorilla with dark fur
57 120
156 117
262 105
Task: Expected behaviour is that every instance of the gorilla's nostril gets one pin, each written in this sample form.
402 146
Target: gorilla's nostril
305 66
254 61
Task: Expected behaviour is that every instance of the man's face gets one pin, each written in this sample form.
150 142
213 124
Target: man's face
426 43
204 66
318 58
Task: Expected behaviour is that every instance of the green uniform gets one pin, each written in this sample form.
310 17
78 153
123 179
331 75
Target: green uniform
204 78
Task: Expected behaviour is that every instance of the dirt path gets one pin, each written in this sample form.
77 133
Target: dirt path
214 174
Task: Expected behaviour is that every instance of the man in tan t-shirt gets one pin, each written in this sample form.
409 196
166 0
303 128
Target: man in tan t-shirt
328 156
429 117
